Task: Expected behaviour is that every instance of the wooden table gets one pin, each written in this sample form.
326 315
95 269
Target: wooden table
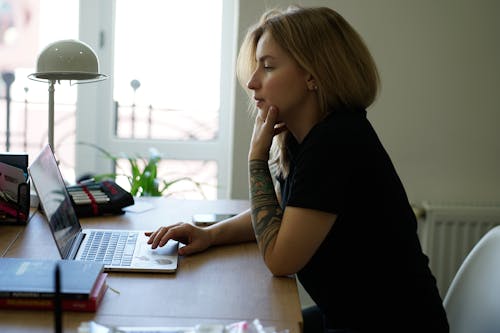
8 236
221 285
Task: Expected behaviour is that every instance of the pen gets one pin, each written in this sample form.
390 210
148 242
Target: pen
57 301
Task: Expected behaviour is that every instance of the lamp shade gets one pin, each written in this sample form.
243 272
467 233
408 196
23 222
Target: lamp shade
67 59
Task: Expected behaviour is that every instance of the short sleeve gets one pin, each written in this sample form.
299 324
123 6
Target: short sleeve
323 169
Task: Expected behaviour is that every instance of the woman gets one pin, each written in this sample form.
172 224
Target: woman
339 206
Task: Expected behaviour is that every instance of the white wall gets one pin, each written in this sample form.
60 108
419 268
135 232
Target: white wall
438 112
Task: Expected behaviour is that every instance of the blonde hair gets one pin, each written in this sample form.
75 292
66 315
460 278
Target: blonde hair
323 43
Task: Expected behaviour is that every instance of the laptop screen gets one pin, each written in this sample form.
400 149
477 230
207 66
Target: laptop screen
55 200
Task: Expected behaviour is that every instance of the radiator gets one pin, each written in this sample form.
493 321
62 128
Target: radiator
449 231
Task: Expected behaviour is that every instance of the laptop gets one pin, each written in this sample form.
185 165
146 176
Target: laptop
118 250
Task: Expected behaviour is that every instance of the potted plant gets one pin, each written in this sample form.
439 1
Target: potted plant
143 174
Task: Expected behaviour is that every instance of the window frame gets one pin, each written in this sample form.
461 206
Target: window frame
95 105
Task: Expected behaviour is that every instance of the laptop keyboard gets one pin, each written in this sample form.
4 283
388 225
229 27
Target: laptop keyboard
110 247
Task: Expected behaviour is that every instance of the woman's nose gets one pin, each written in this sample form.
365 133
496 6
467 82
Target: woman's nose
252 83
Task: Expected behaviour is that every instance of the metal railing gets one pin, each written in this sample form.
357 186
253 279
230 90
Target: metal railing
26 126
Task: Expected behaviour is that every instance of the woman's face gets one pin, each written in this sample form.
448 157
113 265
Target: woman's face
278 80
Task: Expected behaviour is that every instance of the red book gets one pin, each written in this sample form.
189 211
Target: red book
90 304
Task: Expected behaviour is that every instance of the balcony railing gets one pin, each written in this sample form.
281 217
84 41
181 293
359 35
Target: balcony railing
26 130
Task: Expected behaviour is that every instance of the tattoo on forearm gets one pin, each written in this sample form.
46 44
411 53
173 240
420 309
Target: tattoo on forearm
266 211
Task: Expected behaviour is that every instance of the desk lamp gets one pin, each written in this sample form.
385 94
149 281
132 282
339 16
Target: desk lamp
66 59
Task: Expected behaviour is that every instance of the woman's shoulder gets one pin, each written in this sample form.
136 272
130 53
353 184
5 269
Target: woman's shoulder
345 116
342 125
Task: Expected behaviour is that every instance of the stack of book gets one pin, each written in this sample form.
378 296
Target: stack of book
30 284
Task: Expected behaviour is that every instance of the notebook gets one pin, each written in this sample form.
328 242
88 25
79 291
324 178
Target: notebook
74 242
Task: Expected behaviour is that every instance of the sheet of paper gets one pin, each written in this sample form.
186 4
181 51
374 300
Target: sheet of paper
10 178
139 207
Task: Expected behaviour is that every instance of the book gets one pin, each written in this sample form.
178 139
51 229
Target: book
90 304
34 278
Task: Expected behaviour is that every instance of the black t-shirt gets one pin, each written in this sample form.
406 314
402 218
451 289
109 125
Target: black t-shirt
370 272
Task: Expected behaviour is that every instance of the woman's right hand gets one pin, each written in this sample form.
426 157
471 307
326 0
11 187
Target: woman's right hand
266 126
196 239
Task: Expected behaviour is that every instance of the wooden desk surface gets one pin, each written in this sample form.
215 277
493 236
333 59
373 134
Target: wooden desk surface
222 285
8 236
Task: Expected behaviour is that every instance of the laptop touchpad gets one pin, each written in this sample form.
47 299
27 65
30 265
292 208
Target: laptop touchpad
164 255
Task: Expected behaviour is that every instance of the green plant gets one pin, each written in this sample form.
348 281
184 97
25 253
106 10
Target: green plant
143 173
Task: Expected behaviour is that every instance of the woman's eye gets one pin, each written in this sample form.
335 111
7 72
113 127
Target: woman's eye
268 67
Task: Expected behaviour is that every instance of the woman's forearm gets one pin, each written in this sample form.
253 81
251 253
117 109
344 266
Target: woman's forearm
266 213
234 230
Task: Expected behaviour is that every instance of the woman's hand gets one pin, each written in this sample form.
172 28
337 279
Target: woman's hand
196 239
266 126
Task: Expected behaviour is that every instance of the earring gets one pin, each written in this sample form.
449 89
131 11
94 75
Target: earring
312 84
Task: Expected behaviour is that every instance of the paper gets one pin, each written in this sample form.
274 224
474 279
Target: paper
10 178
237 327
139 207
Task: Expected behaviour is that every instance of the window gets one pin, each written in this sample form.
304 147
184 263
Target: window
170 75
170 68
27 26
